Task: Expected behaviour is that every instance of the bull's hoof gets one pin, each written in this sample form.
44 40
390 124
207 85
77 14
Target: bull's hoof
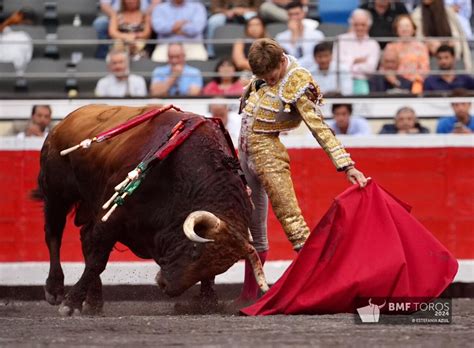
92 308
53 299
67 311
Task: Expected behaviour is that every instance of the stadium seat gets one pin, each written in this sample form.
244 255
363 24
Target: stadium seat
332 29
336 11
205 67
51 79
95 69
86 9
228 32
144 67
72 33
8 78
275 28
36 33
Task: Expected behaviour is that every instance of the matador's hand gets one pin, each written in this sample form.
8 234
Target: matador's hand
355 176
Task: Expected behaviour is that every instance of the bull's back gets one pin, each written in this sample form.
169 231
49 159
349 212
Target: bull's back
91 120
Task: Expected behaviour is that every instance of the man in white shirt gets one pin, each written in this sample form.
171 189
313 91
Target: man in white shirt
358 51
344 123
39 124
325 71
299 40
16 46
120 83
231 120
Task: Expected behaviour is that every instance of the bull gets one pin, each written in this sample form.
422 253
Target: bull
190 215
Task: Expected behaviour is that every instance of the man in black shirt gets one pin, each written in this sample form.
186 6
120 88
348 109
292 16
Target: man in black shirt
383 14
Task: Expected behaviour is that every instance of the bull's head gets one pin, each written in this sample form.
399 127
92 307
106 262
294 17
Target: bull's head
215 247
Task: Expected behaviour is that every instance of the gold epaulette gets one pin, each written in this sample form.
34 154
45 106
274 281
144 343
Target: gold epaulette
295 84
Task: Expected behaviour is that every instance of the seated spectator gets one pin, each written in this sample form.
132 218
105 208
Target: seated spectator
177 21
413 56
119 82
433 19
358 51
299 39
388 80
177 78
254 29
324 70
463 9
227 83
229 11
405 123
39 124
462 122
130 25
383 14
274 10
16 46
230 120
344 123
448 79
108 9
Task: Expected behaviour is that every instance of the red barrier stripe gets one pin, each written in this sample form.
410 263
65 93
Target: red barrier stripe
436 182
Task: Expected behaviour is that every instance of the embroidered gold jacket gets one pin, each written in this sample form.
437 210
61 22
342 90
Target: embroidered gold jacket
282 107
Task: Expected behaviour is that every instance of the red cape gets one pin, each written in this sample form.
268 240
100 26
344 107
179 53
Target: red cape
366 245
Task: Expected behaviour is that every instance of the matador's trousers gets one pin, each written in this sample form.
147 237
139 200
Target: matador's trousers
266 164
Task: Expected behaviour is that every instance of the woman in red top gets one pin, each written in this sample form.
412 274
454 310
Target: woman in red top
226 83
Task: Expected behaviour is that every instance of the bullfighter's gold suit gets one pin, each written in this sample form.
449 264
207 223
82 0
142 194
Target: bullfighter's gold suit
267 111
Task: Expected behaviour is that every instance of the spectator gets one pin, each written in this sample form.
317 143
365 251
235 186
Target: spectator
413 56
299 39
39 123
119 82
383 14
405 123
344 123
177 21
463 9
274 10
433 19
226 83
357 51
388 80
324 70
177 78
462 122
229 11
108 9
16 46
131 26
254 29
231 120
448 79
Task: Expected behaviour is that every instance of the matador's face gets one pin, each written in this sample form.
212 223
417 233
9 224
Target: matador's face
274 76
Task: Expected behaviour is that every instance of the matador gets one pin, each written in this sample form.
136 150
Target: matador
278 98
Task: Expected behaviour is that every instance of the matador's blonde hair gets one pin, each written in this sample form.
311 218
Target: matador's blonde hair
264 56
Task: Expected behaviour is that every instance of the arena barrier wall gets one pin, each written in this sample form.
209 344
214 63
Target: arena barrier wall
432 173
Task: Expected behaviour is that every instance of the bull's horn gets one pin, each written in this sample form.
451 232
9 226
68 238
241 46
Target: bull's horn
257 267
195 218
